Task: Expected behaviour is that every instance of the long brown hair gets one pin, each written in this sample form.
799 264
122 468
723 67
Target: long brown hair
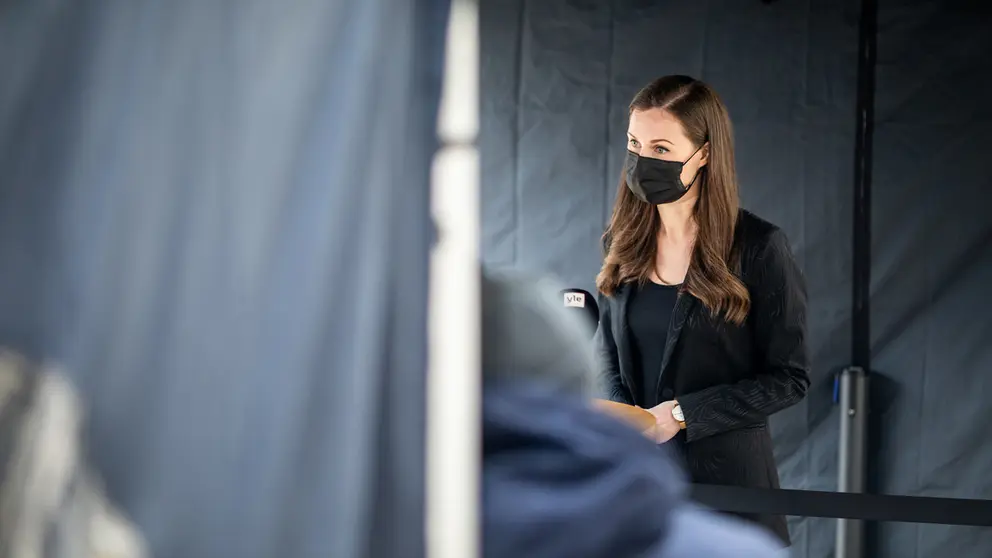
631 240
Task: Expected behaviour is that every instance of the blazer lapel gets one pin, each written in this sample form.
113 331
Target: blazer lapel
622 339
680 314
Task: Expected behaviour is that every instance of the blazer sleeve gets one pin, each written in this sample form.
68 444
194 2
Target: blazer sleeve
607 361
778 317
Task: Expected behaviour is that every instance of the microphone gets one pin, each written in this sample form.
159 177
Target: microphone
583 305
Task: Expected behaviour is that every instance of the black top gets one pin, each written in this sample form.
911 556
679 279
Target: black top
648 315
727 378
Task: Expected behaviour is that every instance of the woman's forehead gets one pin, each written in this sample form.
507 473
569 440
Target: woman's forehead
655 124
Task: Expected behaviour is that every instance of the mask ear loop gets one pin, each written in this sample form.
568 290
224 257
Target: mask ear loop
695 176
702 145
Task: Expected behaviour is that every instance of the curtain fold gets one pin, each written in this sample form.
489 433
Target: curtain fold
215 215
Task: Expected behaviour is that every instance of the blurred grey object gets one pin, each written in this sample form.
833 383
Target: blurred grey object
527 334
52 504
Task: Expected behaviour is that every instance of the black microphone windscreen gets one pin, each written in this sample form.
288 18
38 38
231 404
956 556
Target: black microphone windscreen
582 303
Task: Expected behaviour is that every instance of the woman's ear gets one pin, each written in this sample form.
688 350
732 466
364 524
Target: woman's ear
704 156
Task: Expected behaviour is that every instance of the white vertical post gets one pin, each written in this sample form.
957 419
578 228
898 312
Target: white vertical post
454 375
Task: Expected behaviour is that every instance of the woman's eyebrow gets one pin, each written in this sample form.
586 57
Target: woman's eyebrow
659 140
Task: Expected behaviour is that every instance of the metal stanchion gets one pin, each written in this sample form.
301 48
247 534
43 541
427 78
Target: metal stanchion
853 381
852 462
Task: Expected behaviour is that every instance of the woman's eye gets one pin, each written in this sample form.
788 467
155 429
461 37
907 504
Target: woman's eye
633 143
660 150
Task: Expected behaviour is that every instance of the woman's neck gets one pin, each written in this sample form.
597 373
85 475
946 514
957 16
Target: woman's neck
677 223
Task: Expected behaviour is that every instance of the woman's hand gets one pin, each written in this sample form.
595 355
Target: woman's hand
666 427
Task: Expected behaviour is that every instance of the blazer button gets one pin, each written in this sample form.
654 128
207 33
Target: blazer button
667 394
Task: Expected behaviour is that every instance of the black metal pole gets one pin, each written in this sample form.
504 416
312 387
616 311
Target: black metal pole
852 462
861 335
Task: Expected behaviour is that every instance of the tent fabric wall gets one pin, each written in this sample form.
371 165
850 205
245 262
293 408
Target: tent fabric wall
556 79
932 263
216 217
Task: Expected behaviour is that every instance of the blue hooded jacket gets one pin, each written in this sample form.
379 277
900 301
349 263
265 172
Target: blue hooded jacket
561 480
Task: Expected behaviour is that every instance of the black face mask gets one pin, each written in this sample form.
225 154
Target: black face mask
655 181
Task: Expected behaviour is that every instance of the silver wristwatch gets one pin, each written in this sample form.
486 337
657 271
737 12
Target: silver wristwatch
677 415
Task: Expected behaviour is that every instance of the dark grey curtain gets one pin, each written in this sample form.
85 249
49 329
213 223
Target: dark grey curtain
216 216
557 77
932 264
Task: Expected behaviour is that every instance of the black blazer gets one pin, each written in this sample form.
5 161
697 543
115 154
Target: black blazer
728 379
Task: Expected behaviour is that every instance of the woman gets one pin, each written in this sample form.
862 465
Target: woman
702 305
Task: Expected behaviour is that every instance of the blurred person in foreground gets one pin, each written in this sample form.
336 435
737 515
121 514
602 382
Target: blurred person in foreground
562 480
52 503
702 307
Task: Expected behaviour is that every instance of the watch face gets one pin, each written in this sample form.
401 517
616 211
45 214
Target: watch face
677 413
